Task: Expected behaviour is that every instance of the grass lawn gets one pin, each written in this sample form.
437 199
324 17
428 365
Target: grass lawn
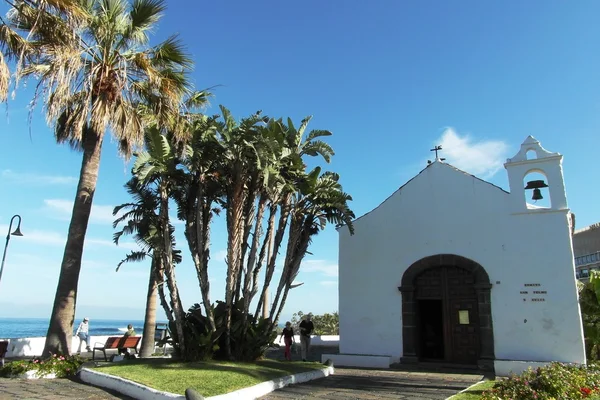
208 378
474 393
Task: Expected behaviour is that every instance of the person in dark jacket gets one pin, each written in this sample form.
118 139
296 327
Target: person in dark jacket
306 328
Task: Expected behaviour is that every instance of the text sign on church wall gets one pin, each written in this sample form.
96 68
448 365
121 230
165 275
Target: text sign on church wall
533 292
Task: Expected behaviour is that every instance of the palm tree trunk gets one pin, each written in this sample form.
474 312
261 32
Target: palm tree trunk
249 216
202 251
285 209
147 347
246 292
251 265
164 303
60 330
294 238
265 248
167 259
298 241
235 228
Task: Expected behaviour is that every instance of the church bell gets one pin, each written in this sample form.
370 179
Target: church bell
536 185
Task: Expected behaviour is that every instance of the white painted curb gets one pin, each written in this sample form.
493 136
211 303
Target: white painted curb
139 391
34 374
464 390
124 386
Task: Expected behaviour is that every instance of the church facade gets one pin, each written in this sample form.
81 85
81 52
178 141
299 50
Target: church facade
452 269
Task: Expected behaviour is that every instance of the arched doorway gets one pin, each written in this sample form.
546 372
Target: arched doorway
446 312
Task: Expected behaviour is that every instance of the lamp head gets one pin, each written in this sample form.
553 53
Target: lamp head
17 231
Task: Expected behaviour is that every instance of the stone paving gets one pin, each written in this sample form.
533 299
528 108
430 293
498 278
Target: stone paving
345 384
361 384
53 389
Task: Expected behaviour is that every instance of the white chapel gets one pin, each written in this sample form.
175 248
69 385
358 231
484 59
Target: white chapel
452 269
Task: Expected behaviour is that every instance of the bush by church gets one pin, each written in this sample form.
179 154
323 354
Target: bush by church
554 382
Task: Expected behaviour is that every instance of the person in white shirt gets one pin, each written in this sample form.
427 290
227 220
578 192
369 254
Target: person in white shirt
83 333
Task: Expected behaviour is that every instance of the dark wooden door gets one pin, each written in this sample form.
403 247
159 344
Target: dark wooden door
455 287
464 331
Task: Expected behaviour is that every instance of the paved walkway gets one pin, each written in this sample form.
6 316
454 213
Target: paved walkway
53 389
360 384
345 384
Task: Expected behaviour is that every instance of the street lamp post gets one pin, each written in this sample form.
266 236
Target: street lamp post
17 232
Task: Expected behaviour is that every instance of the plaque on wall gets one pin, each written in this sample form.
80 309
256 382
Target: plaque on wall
463 317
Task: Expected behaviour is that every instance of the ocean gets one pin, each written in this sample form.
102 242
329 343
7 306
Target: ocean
34 327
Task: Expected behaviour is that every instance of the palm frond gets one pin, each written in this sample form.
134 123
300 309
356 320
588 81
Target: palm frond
315 133
133 256
318 147
171 54
144 15
4 78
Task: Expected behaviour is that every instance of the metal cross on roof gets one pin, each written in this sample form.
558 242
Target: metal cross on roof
437 158
436 149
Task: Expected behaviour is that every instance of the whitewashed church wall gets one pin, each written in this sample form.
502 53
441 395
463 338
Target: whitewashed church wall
419 222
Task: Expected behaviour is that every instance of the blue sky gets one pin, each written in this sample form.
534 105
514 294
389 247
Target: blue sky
390 79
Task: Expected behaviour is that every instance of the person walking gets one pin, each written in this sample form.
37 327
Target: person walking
83 334
306 328
288 338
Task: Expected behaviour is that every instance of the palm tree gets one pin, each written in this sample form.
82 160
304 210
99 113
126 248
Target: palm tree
319 200
93 63
198 195
141 221
7 53
289 172
13 47
158 165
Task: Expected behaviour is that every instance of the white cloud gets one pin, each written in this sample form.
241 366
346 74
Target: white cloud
37 179
62 209
57 239
38 236
99 265
482 158
325 267
110 243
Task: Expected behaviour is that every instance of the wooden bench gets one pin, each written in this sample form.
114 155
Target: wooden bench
3 350
117 342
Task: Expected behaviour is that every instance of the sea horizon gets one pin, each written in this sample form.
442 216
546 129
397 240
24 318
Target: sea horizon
16 327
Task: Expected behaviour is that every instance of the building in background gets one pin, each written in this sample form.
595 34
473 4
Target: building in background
586 249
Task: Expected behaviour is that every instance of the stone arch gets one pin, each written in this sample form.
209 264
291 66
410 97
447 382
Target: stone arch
482 288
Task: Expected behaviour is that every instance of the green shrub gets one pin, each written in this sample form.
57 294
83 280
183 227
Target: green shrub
247 344
553 382
590 318
59 365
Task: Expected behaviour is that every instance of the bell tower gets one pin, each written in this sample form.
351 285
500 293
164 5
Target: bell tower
532 158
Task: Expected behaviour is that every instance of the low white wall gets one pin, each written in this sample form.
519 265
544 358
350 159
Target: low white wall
355 360
323 340
31 347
